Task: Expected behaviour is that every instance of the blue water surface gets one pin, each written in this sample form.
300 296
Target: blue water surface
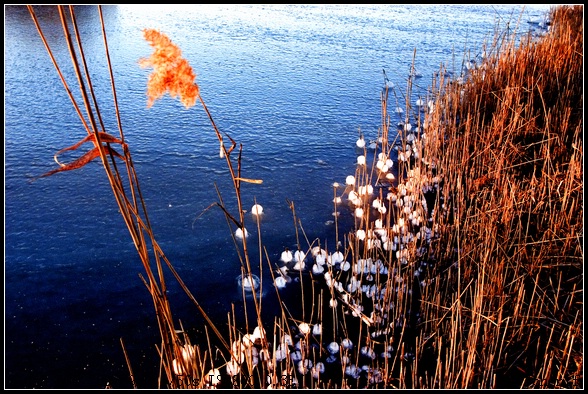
294 84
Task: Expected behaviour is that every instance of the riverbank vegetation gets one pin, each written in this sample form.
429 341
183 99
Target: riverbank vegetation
464 267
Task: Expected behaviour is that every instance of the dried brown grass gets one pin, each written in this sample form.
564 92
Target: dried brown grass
509 147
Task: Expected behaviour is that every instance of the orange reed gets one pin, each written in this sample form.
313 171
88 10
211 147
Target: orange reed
171 72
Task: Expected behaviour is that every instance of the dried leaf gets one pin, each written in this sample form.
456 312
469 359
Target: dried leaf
257 181
88 156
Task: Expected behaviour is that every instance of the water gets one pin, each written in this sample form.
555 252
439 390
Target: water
294 84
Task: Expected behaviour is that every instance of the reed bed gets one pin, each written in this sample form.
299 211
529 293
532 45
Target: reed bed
507 145
463 268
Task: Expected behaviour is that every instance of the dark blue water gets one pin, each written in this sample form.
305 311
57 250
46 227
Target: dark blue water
294 84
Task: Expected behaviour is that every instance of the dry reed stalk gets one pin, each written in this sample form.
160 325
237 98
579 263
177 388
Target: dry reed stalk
131 207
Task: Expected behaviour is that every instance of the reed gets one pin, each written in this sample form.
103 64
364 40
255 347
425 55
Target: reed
463 267
509 253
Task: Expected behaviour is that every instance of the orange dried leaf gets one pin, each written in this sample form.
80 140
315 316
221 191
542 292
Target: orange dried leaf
78 163
88 156
104 137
